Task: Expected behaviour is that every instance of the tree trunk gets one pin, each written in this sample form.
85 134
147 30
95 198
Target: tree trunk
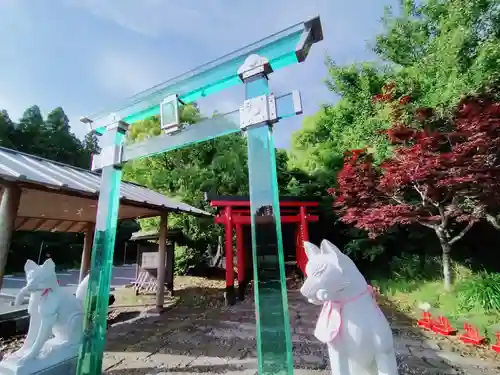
446 249
216 260
493 221
446 266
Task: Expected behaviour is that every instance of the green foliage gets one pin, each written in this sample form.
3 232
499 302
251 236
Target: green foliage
481 310
360 246
415 267
6 129
480 291
351 123
433 50
49 138
442 49
218 165
184 260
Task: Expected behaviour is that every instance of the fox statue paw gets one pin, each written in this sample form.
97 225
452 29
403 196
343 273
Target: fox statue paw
17 354
25 357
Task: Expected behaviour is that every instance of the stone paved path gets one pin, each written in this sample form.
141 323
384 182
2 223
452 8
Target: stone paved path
222 341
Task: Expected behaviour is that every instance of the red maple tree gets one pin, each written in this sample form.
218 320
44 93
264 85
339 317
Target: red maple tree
445 177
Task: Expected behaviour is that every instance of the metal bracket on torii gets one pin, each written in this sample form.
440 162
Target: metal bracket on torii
111 154
258 111
261 109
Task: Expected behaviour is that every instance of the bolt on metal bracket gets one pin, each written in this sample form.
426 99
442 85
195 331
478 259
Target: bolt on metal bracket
111 155
258 110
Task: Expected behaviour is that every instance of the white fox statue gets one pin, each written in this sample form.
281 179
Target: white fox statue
357 334
56 322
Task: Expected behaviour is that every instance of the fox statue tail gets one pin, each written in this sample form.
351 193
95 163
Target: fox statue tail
81 290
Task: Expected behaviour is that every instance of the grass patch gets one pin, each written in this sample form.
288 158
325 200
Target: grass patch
189 291
475 298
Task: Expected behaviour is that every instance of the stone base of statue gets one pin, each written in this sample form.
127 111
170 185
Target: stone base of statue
63 362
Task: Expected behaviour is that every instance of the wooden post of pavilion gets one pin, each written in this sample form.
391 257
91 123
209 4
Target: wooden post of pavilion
170 268
87 250
160 276
8 212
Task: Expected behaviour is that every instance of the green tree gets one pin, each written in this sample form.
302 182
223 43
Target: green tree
433 51
6 130
352 122
62 146
442 50
90 147
30 135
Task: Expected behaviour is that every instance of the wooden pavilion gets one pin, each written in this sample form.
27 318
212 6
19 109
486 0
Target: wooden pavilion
42 195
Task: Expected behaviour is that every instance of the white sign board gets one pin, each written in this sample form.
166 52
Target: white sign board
150 260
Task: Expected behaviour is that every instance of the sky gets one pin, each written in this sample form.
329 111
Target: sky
88 55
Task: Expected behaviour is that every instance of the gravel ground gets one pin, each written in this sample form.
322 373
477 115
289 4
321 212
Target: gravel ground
198 325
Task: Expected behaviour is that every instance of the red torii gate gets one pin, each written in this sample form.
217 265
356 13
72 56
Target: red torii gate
234 212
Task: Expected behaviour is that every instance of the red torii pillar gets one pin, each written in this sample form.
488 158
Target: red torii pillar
302 234
241 262
229 296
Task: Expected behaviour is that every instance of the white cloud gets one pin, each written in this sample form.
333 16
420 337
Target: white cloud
207 21
150 17
123 74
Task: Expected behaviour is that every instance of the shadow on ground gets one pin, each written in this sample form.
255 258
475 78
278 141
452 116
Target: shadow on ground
202 369
201 335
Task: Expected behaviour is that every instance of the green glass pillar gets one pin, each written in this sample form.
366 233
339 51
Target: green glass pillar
96 304
274 345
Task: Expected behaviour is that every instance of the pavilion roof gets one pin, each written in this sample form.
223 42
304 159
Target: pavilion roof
59 197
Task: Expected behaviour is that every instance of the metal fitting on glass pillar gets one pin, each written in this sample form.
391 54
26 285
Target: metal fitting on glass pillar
259 111
111 154
96 303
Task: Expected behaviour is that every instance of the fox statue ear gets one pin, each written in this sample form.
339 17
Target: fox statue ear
49 263
30 266
311 250
327 248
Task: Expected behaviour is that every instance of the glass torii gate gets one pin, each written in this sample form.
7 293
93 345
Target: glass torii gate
261 109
